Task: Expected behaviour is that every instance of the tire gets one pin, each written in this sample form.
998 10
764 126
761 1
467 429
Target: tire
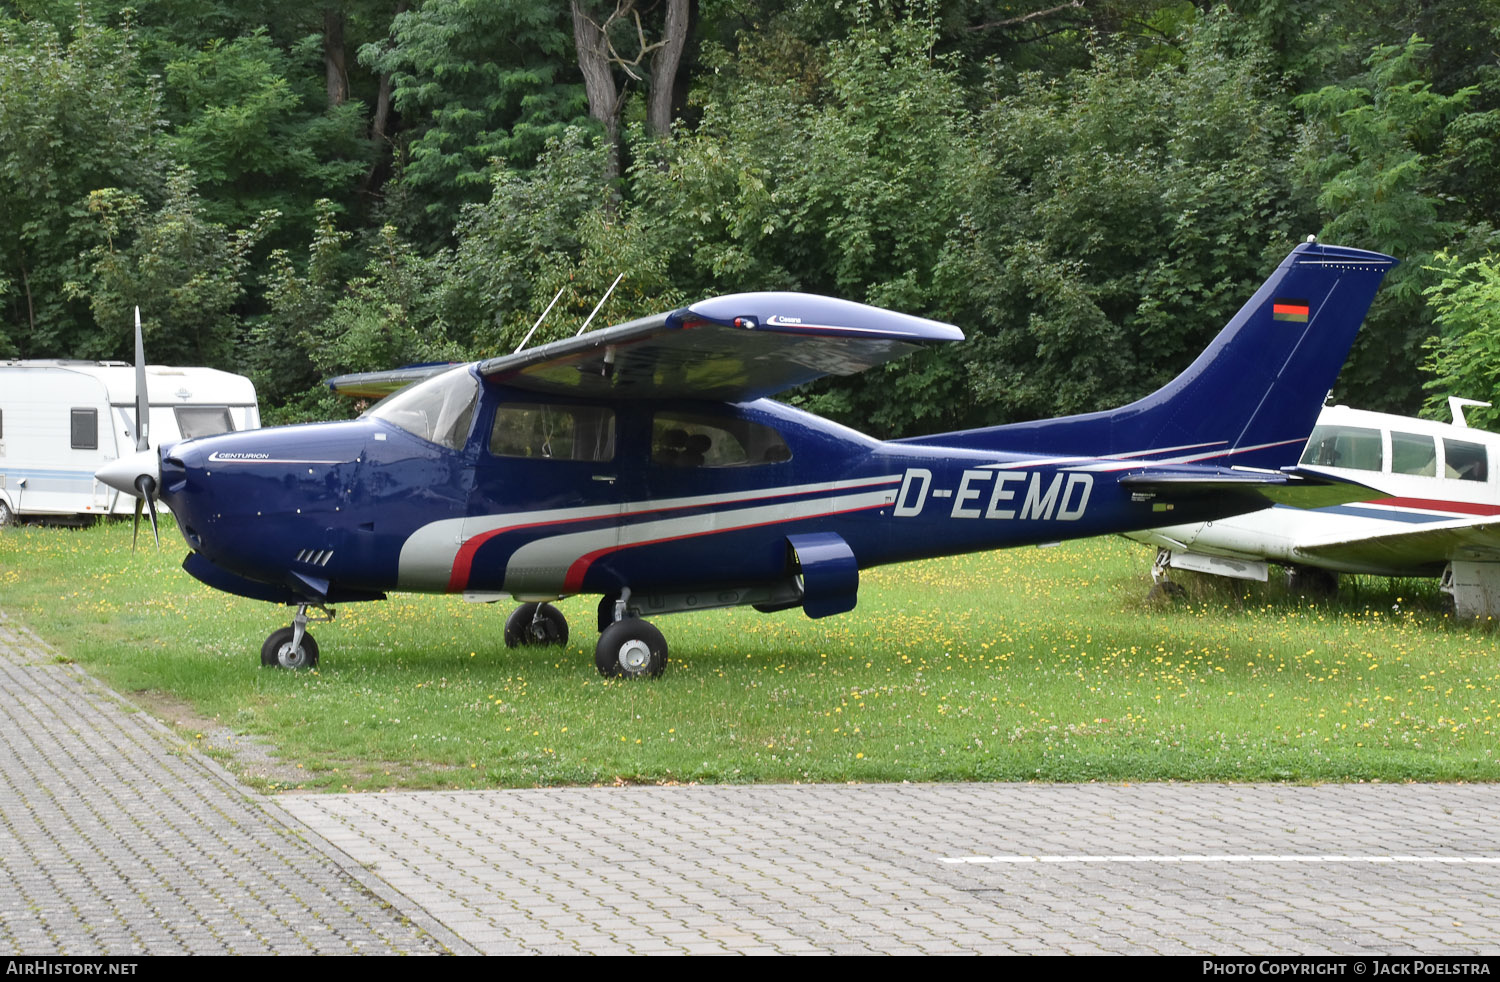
277 652
631 649
522 627
7 514
1311 581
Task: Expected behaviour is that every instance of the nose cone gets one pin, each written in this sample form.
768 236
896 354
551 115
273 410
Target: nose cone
125 473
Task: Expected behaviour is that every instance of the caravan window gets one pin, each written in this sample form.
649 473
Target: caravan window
1465 461
85 429
1355 447
203 420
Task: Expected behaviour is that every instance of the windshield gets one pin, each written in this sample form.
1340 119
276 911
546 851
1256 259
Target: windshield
438 410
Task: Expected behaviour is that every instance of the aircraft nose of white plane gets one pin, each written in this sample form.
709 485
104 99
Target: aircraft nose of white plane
125 473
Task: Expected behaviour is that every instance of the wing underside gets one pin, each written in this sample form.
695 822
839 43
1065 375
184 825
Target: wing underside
731 348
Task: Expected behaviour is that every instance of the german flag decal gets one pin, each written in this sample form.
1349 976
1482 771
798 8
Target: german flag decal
1289 310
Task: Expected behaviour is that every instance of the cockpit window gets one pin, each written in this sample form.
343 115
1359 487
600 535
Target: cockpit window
438 410
554 432
683 440
1465 461
1355 447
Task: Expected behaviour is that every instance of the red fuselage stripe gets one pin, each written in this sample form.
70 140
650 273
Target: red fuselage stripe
576 572
463 562
1434 504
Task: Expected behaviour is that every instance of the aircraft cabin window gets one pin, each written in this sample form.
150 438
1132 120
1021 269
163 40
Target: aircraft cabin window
1413 453
438 410
1355 447
682 440
203 420
1465 461
553 432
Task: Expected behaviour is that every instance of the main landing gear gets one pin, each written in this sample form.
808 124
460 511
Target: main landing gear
536 624
628 646
292 647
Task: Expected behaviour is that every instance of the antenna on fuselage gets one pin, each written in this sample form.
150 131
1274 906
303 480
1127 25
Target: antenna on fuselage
541 318
590 318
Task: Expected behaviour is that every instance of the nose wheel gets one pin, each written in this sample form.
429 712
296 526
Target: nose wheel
281 651
292 647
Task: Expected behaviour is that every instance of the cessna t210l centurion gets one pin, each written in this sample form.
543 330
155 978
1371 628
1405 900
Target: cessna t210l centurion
643 463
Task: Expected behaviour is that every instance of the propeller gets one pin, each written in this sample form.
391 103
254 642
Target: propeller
139 474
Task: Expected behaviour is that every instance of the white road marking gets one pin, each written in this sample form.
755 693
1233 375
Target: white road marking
1227 858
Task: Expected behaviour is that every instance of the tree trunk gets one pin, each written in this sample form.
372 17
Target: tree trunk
664 68
599 84
333 57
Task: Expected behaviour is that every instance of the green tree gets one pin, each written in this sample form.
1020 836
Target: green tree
1375 155
1464 358
474 80
186 274
252 121
73 118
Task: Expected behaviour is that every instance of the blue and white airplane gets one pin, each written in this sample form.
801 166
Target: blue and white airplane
642 463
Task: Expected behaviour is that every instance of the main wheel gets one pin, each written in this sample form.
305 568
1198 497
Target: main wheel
1310 581
7 514
632 649
278 652
536 624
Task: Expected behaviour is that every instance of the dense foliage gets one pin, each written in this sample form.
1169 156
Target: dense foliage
1089 189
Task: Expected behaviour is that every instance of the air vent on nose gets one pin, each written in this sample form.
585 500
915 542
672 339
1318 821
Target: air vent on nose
315 557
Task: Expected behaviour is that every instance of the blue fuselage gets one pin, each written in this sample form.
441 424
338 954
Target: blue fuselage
680 496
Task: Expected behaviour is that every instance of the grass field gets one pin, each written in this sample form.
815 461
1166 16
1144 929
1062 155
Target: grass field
1031 664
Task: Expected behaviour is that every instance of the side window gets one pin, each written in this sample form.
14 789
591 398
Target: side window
85 429
1465 461
683 440
1413 453
1355 447
553 432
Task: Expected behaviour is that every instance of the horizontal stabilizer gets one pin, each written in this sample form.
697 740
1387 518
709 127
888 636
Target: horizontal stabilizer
1295 487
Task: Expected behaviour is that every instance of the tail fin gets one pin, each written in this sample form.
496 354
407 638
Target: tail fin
1251 398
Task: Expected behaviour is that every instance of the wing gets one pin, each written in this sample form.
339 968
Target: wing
1475 539
378 385
731 348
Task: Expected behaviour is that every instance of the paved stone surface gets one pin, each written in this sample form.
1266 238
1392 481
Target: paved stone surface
117 839
1079 869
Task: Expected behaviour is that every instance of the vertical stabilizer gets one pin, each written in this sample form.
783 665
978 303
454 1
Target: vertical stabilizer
1251 398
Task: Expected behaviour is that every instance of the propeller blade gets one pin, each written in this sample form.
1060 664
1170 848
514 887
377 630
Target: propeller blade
146 485
142 397
135 529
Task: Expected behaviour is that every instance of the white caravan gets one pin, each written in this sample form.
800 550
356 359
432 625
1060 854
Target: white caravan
61 420
1436 513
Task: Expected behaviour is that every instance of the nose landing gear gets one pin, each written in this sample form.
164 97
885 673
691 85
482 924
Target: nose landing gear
292 647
